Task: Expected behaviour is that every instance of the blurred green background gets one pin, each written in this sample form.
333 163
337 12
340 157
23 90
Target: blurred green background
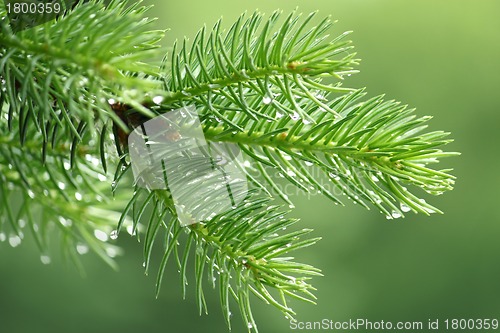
442 57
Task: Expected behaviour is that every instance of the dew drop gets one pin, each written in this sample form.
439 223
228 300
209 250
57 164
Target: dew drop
405 208
291 206
250 325
395 214
22 223
308 163
78 196
61 185
247 164
157 99
113 234
130 230
111 101
45 259
14 240
430 211
65 222
3 237
82 249
295 116
31 194
291 173
374 178
334 176
101 235
101 177
321 97
111 252
279 115
67 166
267 100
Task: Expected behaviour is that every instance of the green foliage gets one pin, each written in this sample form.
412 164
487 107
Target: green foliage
61 74
272 87
265 91
240 248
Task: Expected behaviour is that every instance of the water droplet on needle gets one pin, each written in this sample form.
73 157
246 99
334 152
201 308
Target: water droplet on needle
45 259
157 99
396 214
113 234
405 208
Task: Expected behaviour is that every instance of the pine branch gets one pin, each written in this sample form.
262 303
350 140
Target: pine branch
250 65
271 87
265 92
369 153
241 246
59 69
55 80
52 195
